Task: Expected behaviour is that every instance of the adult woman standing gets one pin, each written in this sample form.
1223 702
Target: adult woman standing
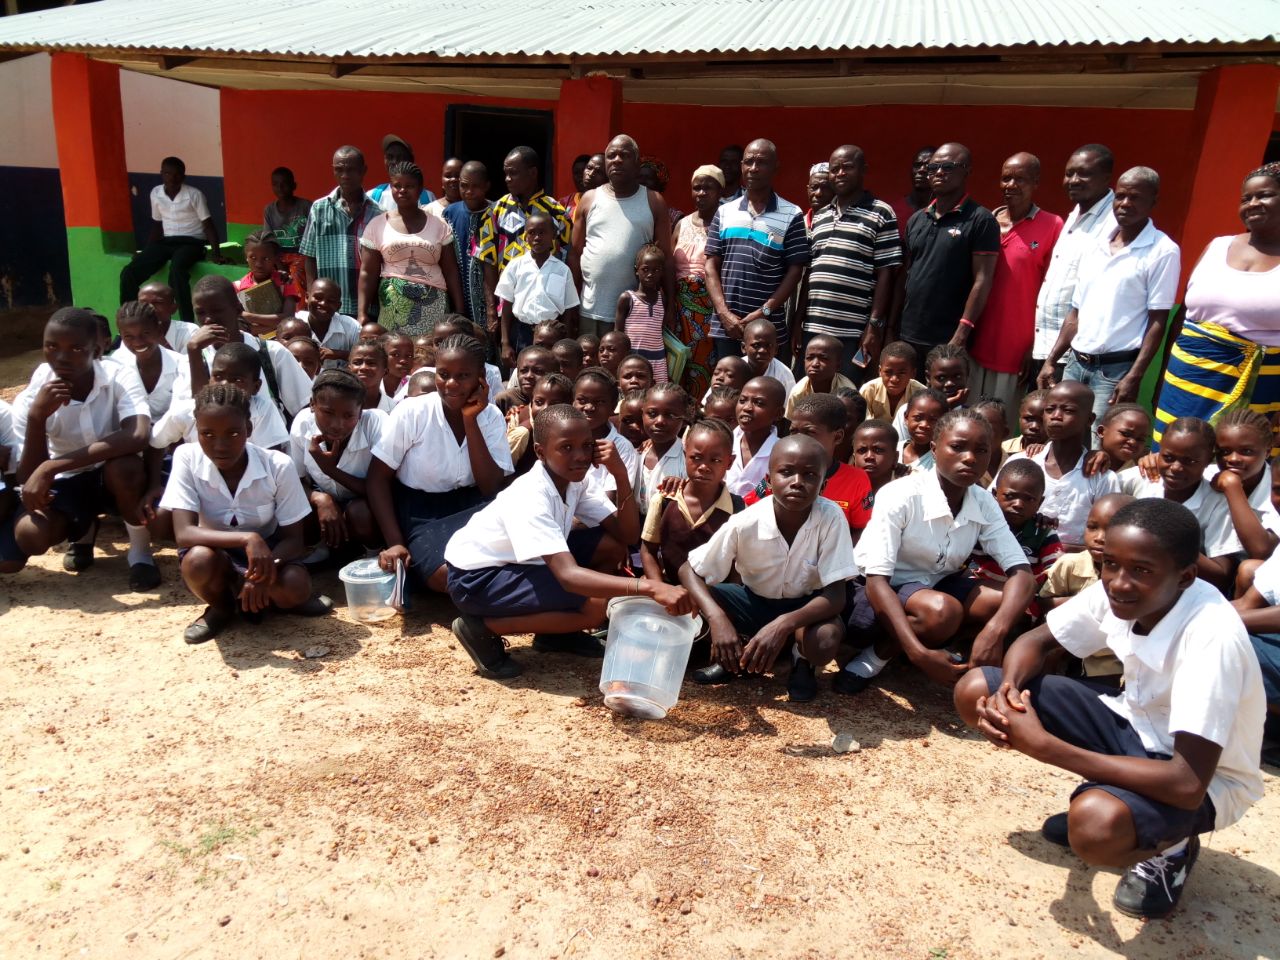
1227 353
407 262
286 217
693 302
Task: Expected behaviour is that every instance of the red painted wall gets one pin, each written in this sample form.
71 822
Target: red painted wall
89 126
686 136
300 129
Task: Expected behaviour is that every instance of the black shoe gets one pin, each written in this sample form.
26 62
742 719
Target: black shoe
803 683
715 673
209 624
487 650
850 683
1150 890
578 643
317 606
79 556
1054 829
143 577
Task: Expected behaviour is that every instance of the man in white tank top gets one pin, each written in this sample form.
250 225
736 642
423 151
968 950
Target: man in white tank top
610 225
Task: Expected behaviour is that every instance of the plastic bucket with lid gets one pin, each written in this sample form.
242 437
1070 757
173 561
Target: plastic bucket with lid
645 657
368 590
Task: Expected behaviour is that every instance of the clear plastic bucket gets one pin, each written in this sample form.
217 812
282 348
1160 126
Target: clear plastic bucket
645 657
368 589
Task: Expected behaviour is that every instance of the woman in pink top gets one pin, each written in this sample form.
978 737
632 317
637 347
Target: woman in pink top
407 262
1229 343
693 302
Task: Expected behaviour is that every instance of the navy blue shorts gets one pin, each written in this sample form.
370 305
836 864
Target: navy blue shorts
80 498
520 589
239 559
863 617
1073 710
749 611
1267 647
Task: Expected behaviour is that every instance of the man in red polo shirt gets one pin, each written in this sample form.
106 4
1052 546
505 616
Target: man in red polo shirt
1000 348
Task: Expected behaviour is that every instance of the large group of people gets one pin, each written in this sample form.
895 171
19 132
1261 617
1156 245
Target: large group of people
905 427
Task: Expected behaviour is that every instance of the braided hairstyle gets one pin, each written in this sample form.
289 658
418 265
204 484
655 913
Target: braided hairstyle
223 396
138 310
406 168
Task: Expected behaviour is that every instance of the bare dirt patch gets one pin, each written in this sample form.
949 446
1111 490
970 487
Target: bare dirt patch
239 800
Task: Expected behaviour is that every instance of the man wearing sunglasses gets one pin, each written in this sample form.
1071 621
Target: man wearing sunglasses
951 251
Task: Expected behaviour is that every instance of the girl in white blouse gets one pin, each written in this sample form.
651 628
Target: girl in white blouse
442 457
237 517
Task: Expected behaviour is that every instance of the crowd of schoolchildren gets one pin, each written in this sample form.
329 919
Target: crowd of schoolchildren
1069 584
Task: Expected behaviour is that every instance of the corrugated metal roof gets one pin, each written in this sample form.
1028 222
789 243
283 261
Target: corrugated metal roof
564 29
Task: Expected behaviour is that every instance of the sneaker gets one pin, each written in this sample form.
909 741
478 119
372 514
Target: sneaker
1054 829
487 650
143 577
802 686
579 643
79 556
849 683
1150 890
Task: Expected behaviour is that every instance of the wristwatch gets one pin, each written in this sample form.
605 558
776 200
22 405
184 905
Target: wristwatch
766 310
876 323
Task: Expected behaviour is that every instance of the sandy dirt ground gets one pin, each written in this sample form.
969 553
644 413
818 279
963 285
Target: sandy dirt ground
239 800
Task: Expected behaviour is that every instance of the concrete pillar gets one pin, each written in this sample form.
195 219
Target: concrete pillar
588 115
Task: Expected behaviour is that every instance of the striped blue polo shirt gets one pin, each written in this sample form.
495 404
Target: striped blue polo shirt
755 253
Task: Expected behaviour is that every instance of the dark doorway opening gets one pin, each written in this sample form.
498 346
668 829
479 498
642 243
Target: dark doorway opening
488 134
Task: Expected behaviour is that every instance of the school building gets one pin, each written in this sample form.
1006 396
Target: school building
93 96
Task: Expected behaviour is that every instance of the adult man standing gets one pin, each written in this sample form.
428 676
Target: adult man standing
1088 184
757 249
1126 286
952 246
502 233
611 224
731 166
1000 348
395 150
331 241
855 249
921 193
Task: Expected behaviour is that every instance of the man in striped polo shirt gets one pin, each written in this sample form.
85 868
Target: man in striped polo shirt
856 248
757 249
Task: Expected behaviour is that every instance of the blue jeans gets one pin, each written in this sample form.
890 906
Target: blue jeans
1101 379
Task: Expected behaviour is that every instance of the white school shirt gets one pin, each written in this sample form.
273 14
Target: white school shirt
1115 291
266 426
418 444
750 543
171 366
112 400
1053 302
269 494
913 538
537 293
291 380
1069 498
355 455
780 372
1217 532
344 333
600 475
1195 672
179 332
1266 579
527 521
184 215
670 464
1259 499
743 477
8 441
921 464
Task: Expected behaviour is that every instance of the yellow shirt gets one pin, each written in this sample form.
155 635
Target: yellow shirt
877 398
804 388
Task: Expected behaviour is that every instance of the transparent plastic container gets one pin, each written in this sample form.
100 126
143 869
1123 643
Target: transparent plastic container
645 657
368 589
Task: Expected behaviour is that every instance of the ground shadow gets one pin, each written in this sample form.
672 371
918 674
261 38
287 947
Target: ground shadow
281 641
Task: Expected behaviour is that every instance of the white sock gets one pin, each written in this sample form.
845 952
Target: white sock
795 653
866 664
1176 849
139 545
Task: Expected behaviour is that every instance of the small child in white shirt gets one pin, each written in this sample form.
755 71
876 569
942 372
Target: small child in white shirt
534 287
759 409
760 350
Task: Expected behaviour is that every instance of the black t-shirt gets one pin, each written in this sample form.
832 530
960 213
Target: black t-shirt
941 272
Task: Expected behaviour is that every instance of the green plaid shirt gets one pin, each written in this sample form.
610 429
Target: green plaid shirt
502 233
333 238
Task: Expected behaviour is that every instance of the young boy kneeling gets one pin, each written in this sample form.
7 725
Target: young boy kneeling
516 567
793 555
1175 753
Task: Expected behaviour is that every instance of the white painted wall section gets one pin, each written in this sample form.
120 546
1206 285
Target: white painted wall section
26 112
164 118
